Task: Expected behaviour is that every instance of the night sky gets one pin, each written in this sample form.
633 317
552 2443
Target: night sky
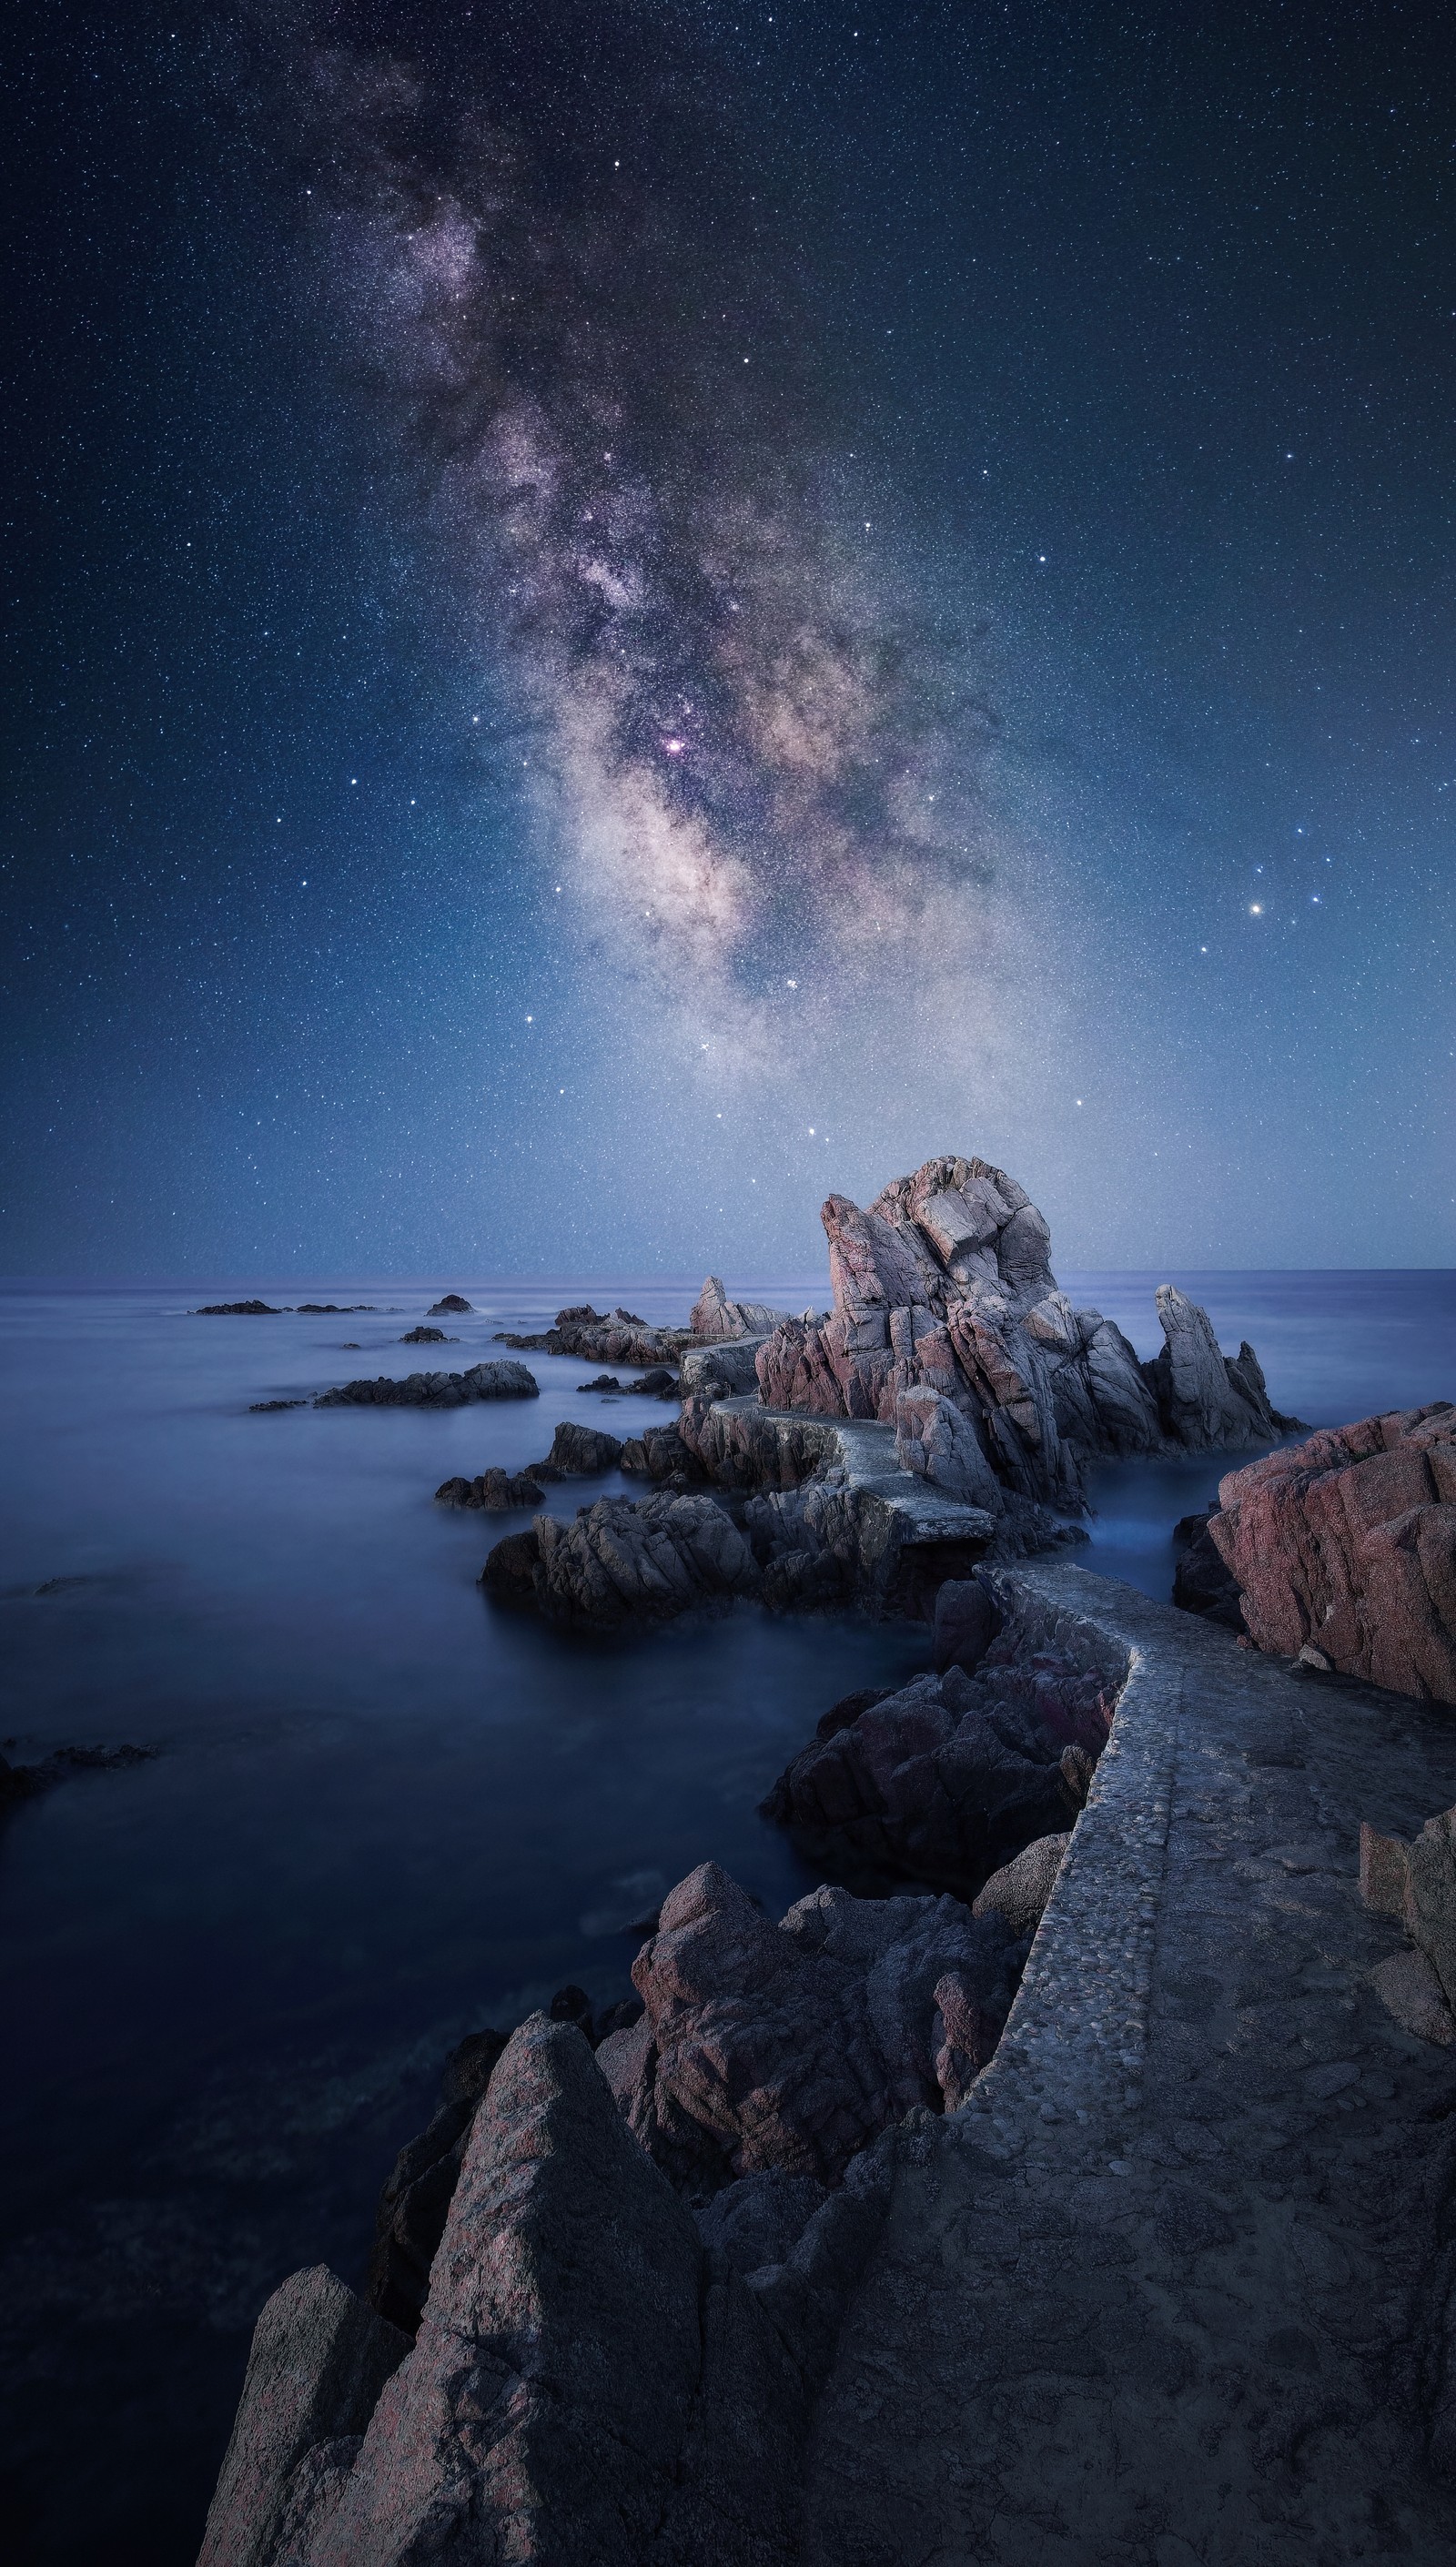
618 615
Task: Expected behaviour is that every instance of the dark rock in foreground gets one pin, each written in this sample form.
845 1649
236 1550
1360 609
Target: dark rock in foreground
1202 1581
623 1561
1344 1550
435 1389
237 1311
416 2201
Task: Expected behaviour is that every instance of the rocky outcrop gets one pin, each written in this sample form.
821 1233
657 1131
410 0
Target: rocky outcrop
1415 1882
422 1336
786 2049
944 1286
951 1776
1346 1546
435 1389
590 2382
603 1337
578 1452
415 2202
713 1316
450 1305
493 1492
318 2363
625 1562
237 1311
659 1454
939 1441
1019 1891
1203 1583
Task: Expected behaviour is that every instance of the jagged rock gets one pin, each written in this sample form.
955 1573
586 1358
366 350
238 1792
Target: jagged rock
967 1620
661 1454
760 2218
1021 1889
450 1305
1347 1544
332 1309
415 2202
1416 1884
655 1383
22 1782
603 1381
422 1336
270 1407
578 1452
787 2047
237 1311
940 1443
1409 1989
584 2389
604 1336
318 2363
943 1286
494 1491
725 1370
715 1317
1202 1581
949 1778
624 1561
435 1389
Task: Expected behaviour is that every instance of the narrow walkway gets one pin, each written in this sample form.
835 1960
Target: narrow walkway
1168 2292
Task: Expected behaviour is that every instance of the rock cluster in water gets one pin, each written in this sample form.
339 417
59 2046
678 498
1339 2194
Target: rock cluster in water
602 1337
435 1389
1344 1550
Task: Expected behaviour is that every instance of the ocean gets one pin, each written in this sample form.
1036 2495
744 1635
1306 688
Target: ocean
383 1812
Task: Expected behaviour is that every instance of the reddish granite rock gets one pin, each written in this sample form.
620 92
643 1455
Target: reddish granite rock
1346 1543
790 2047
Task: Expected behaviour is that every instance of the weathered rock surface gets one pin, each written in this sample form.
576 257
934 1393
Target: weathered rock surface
416 2200
1415 1882
435 1389
950 1778
578 1452
1019 1891
318 2363
661 1454
1346 1543
713 1316
422 1336
723 1370
493 1491
1203 1583
237 1311
943 1286
450 1305
625 1560
789 2048
604 1336
939 1441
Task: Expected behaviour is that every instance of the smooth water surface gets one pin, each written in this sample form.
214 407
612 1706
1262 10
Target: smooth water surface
384 1811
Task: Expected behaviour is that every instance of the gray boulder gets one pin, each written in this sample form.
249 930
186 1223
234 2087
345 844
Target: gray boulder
578 1452
318 2363
940 1443
1021 1889
714 1316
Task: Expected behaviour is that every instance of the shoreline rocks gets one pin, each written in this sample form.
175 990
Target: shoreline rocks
450 1305
625 1560
435 1389
237 1311
602 1337
1344 1546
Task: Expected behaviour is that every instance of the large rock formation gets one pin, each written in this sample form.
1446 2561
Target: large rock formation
1345 1549
789 2048
715 1317
944 1284
625 1560
435 1389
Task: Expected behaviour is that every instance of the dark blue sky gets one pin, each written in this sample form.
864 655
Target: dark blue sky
618 616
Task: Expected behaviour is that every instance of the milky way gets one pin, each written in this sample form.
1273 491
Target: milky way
757 740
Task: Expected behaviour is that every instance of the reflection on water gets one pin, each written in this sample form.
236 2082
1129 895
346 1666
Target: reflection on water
385 1812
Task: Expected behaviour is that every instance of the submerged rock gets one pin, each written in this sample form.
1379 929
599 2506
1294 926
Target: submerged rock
1345 1544
422 1336
23 1781
435 1389
494 1491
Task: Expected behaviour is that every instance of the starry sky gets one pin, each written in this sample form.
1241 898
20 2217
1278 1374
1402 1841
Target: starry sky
621 613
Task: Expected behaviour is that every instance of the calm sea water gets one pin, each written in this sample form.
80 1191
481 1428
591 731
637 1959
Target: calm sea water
382 1813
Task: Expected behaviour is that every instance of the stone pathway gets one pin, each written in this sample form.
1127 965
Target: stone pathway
1171 2290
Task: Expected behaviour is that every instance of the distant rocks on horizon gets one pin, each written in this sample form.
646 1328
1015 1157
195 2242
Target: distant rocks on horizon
435 1389
452 1305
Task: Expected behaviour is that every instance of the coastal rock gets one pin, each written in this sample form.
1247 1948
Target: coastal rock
333 1309
509 1573
1415 1882
270 1407
493 1491
604 1381
1202 1581
604 1336
949 1778
1346 1543
585 2386
415 2202
422 1336
944 1286
940 1443
318 2363
1021 1889
787 2047
435 1389
237 1311
661 1454
725 1370
645 1561
578 1452
658 1382
23 1781
715 1317
450 1305
967 1620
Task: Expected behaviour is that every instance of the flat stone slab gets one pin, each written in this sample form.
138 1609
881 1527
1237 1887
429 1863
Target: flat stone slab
1171 2287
